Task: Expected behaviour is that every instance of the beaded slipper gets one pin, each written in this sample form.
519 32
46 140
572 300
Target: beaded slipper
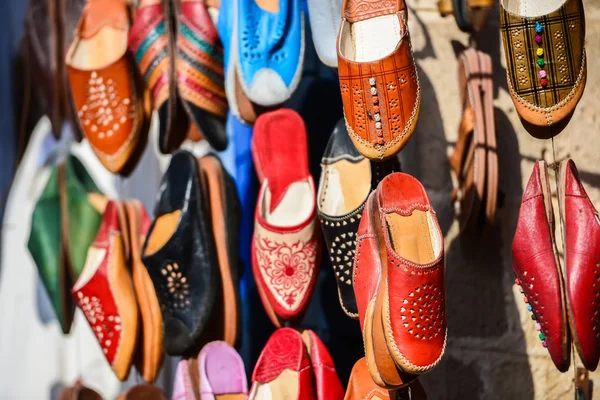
270 41
537 267
546 61
582 263
200 71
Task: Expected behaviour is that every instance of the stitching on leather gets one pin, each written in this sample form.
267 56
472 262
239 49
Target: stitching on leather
557 106
394 348
405 211
348 313
365 236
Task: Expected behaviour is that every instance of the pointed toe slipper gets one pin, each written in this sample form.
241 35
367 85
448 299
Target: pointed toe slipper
286 242
546 61
105 87
105 293
582 258
222 374
380 88
537 267
200 72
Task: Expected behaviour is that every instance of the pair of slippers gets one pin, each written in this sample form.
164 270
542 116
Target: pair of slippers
217 373
116 296
562 293
191 253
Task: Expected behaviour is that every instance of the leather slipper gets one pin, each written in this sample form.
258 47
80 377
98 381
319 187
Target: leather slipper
106 90
105 293
221 372
325 18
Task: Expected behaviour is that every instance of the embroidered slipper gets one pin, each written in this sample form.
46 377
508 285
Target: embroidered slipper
546 61
200 71
270 48
475 159
283 370
108 94
325 18
150 352
222 374
537 267
286 242
581 238
152 42
378 77
105 293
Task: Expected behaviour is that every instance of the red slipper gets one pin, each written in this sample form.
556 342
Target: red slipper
328 385
283 370
105 293
286 242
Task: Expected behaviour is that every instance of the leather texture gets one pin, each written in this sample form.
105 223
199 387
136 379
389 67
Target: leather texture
382 98
536 265
152 42
184 268
582 257
325 18
49 27
270 50
105 293
109 99
339 231
475 158
414 311
562 38
225 214
63 226
285 258
284 350
200 73
327 382
214 359
149 357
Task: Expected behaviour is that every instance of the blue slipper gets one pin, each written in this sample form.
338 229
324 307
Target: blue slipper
270 44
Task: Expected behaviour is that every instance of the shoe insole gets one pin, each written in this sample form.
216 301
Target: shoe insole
92 263
532 8
103 49
164 228
269 5
371 39
295 207
284 387
411 237
347 185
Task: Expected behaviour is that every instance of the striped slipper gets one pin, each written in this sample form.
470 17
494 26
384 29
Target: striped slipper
152 47
200 73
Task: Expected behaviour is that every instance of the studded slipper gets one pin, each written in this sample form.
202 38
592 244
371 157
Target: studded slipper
537 267
105 293
546 61
378 77
347 178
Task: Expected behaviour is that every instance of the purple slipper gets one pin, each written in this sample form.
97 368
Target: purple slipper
183 387
221 372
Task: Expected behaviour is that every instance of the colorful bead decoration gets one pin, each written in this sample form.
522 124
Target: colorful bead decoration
539 29
538 326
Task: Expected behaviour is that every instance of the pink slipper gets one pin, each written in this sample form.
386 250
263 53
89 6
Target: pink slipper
222 374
